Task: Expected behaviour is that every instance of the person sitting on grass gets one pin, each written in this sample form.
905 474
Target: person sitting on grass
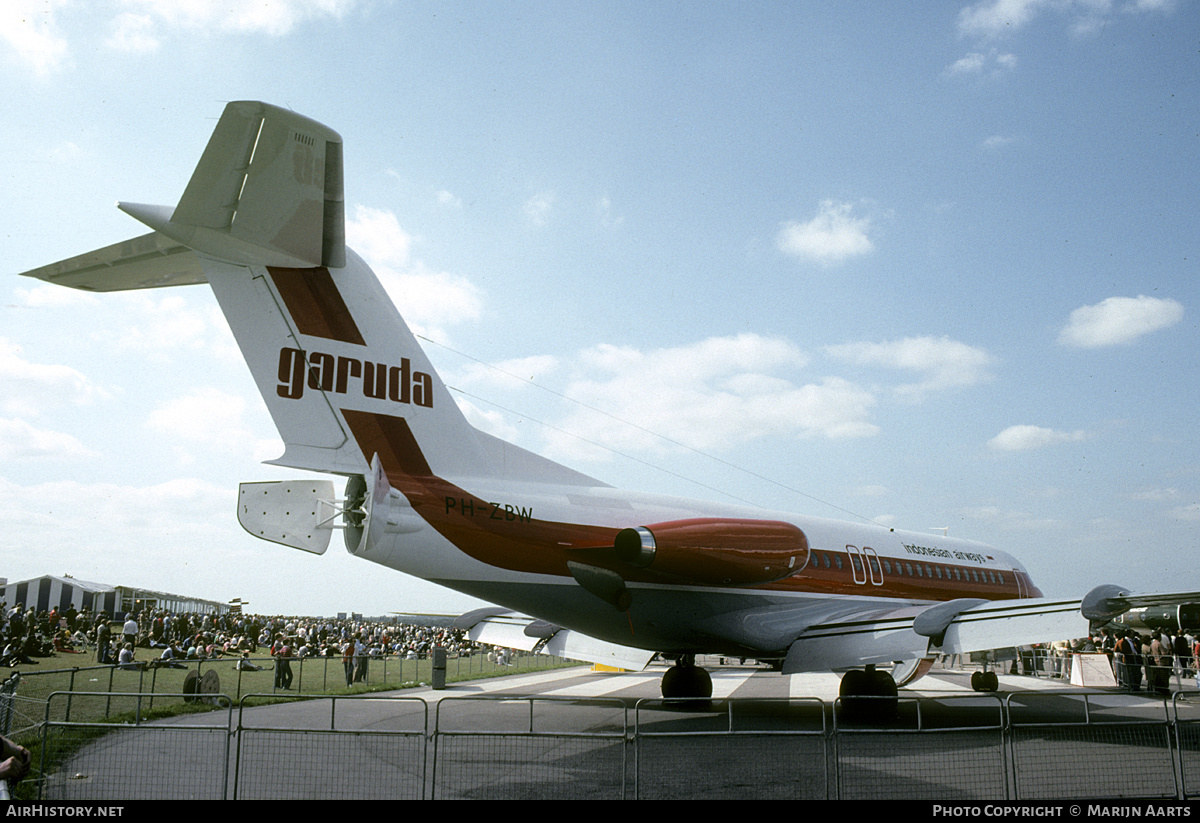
126 661
244 665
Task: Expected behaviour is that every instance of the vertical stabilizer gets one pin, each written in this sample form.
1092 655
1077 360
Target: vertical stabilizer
268 190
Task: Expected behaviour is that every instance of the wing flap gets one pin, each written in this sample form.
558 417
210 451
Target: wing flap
516 631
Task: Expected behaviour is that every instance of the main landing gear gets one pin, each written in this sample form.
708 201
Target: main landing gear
686 679
985 681
868 694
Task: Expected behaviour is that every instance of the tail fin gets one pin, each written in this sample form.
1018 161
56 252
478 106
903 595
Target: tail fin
262 221
268 190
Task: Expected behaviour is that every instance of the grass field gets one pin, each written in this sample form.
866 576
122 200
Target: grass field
70 676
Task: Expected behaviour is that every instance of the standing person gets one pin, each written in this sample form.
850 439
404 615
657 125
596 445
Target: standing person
1158 665
130 630
1120 654
103 641
1183 653
348 660
1196 658
283 665
1134 661
360 660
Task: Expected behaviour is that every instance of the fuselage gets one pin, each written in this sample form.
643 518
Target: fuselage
521 544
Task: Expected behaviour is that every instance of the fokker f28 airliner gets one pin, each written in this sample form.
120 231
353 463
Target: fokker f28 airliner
607 575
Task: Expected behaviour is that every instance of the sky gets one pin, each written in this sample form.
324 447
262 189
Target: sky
929 265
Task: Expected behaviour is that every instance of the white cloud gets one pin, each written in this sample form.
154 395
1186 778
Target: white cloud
608 218
1157 494
945 363
18 439
998 18
1119 320
30 28
1189 513
537 208
997 142
212 420
29 387
493 422
158 324
274 19
977 63
831 237
445 198
135 33
206 414
706 395
509 373
69 509
40 32
429 300
46 295
1011 520
1024 438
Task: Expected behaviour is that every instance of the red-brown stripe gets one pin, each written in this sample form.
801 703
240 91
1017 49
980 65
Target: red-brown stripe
315 303
390 438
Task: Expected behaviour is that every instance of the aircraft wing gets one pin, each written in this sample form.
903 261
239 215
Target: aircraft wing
515 631
959 627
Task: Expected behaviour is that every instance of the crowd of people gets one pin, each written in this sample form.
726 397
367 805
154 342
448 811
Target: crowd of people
1155 656
29 634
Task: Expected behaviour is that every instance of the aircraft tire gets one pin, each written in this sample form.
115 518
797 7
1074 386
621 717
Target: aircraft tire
877 687
687 681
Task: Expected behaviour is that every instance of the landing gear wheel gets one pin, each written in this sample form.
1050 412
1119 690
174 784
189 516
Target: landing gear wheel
686 679
984 681
868 695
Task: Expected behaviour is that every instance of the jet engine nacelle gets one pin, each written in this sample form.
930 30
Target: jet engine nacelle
714 550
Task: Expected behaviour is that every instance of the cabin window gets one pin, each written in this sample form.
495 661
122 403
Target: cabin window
887 566
908 566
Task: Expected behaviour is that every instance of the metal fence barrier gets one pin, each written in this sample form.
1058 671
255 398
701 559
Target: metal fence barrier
1071 745
1185 719
351 748
146 761
1028 746
924 753
753 749
539 748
